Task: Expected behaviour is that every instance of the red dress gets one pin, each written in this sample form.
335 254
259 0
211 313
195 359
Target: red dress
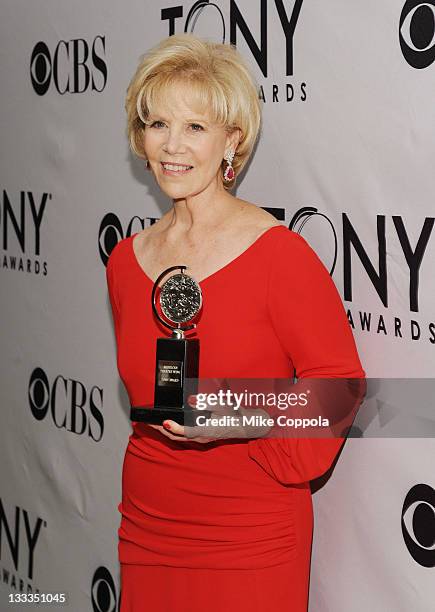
227 526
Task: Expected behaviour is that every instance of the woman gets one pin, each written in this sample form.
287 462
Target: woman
217 524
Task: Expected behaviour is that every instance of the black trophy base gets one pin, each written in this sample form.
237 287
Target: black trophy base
156 416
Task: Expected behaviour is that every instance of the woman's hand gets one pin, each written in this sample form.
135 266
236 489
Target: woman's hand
234 426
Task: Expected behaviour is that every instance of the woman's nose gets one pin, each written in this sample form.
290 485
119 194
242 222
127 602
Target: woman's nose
174 140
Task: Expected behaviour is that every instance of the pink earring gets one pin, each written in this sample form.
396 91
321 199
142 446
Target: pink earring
229 171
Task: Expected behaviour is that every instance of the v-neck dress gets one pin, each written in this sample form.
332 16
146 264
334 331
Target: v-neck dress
227 526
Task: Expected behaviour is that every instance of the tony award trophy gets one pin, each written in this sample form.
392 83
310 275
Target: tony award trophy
177 357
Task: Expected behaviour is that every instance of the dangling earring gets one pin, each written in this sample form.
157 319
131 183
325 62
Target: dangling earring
229 170
147 165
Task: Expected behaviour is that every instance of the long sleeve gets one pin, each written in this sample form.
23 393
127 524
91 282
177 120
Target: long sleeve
310 322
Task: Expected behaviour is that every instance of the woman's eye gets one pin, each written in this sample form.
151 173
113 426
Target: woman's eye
195 126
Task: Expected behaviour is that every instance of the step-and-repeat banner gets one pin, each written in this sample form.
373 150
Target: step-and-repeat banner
345 158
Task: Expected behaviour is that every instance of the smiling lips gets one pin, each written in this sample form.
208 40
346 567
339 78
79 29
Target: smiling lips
175 169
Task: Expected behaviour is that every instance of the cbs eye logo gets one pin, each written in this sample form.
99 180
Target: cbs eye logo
103 591
109 234
418 524
74 66
417 33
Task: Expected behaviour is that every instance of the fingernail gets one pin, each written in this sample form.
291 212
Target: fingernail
166 425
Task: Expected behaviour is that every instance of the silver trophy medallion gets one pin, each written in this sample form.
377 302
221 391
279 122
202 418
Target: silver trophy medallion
180 298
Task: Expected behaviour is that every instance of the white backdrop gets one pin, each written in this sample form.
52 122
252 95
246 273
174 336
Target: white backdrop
348 130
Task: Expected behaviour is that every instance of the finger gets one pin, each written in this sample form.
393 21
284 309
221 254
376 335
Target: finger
168 427
174 427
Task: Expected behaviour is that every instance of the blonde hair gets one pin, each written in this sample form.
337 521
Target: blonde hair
217 77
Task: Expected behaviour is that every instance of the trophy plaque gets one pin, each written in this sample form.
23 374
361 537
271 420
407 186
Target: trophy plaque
177 357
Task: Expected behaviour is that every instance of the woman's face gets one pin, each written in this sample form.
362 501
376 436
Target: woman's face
176 134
